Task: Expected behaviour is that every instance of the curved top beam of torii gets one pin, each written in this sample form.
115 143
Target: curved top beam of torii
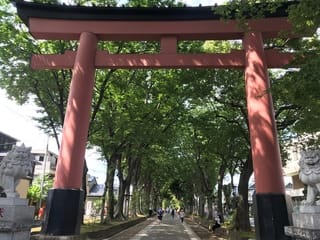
66 22
166 25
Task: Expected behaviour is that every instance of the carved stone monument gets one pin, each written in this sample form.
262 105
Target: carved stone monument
16 217
306 221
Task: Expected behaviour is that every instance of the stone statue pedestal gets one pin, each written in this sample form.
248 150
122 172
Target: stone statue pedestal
16 219
306 223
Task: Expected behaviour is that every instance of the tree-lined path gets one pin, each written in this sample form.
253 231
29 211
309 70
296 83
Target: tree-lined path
169 229
170 137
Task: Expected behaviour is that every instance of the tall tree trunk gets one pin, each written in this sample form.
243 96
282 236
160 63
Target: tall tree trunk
147 195
196 206
201 205
127 200
242 221
210 207
227 195
125 181
103 200
222 170
84 188
110 196
190 204
134 201
232 171
110 179
140 200
119 208
135 167
156 202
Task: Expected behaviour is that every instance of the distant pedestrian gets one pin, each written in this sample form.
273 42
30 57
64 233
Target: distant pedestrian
41 213
217 223
172 213
2 193
181 214
160 214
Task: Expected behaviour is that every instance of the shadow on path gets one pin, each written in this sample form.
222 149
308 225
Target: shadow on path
168 229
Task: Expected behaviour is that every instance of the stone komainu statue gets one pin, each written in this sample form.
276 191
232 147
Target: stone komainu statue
17 164
309 174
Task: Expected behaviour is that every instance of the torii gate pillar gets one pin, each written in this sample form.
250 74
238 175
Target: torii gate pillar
65 215
269 200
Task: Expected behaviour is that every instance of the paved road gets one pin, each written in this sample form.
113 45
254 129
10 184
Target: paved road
151 229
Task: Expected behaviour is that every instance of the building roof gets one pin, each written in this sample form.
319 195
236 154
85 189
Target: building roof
9 137
6 142
96 191
27 10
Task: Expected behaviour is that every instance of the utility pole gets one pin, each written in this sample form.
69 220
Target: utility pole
44 171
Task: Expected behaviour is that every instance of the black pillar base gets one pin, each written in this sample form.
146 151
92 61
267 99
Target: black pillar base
271 216
63 212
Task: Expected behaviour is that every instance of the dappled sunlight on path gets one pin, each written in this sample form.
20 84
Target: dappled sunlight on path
168 229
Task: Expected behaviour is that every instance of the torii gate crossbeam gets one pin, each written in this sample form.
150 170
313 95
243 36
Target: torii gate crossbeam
235 59
167 26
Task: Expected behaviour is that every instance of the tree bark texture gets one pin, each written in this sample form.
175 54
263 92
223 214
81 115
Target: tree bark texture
242 215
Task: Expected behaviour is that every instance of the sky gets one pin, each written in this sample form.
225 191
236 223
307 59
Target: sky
16 121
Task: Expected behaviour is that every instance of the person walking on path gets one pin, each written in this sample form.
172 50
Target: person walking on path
172 213
160 214
181 214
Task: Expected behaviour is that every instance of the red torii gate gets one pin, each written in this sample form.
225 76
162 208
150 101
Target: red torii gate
168 26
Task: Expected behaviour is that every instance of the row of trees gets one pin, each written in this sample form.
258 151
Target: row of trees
170 134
